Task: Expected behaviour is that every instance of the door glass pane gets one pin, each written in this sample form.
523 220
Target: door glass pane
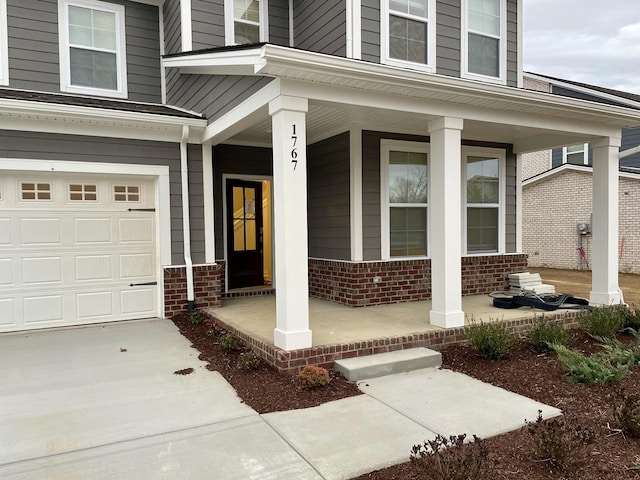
250 202
250 230
238 202
238 235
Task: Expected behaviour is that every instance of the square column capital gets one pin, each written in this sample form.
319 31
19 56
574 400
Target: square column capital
445 123
291 104
605 142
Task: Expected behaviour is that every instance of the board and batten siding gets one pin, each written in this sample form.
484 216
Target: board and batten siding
172 27
328 199
321 26
45 146
34 55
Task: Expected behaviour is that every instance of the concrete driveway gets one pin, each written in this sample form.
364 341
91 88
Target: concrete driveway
104 402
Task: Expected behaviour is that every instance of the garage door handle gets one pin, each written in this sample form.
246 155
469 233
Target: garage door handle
142 209
142 284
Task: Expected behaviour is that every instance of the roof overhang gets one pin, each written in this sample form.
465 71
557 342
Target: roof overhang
567 167
407 91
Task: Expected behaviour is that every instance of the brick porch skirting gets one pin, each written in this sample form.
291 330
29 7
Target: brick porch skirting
360 284
207 287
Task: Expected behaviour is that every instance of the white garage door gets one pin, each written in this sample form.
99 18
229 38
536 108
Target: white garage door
76 249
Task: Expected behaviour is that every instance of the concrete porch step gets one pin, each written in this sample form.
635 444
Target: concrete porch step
381 364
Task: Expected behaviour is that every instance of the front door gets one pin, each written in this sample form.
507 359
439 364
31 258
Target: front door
244 234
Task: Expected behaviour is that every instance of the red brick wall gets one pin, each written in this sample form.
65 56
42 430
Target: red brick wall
352 283
207 288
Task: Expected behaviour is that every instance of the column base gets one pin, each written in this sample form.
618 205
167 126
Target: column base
446 319
292 340
605 298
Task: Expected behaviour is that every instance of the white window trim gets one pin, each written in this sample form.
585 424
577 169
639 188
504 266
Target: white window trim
464 54
502 171
229 21
585 154
386 59
121 54
4 45
387 146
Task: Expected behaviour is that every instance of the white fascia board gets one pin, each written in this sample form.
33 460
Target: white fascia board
238 62
588 91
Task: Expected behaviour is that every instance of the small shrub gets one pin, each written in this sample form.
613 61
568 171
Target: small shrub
632 319
626 411
619 353
560 442
547 333
215 330
196 317
229 341
597 368
604 321
492 340
450 459
312 376
249 361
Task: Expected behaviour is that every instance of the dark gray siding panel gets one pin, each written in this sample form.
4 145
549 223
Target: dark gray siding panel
34 56
279 22
556 157
448 37
321 26
328 198
211 95
196 203
371 30
232 159
512 43
510 203
172 27
207 20
630 139
43 146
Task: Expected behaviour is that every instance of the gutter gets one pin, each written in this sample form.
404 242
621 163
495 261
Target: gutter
186 227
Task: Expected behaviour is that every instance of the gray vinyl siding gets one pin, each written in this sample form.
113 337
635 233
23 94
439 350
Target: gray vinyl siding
328 197
321 26
512 43
630 139
370 30
196 203
172 27
279 22
34 54
207 20
556 157
75 148
510 203
448 37
211 95
232 159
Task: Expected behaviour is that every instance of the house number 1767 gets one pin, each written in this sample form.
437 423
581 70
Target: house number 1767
294 148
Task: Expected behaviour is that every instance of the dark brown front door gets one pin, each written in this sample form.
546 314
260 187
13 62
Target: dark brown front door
244 234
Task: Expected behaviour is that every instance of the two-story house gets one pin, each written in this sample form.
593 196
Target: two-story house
155 155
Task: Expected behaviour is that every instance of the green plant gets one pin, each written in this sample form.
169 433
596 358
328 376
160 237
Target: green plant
632 320
547 333
451 459
215 330
635 467
312 376
561 442
604 321
196 317
597 368
626 411
249 361
492 340
229 341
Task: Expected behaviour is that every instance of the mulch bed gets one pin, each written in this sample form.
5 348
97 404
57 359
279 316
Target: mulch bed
540 377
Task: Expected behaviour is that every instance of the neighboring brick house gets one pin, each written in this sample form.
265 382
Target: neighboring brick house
558 192
157 155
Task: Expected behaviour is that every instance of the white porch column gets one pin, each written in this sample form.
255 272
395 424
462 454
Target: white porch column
290 222
604 276
446 222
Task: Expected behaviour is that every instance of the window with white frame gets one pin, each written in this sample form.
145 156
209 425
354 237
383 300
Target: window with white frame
484 197
484 44
92 48
246 21
408 33
404 199
576 154
4 49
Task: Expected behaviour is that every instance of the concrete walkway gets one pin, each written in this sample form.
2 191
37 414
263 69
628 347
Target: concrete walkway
103 403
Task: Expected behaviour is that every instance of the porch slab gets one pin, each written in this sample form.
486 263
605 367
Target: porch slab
359 368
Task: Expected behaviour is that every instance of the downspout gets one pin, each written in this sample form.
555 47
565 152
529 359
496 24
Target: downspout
186 227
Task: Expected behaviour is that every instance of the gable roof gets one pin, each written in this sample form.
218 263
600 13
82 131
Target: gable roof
624 172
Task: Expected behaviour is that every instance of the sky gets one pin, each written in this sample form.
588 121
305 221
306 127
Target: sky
590 41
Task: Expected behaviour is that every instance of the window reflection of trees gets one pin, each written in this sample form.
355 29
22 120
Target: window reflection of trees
410 189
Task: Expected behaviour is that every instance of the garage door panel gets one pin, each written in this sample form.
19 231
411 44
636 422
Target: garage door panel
94 305
43 308
40 231
93 267
92 230
7 312
6 272
5 231
42 270
141 265
138 301
136 229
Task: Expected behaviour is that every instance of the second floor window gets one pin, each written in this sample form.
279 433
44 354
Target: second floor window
409 33
92 48
484 41
576 154
246 21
